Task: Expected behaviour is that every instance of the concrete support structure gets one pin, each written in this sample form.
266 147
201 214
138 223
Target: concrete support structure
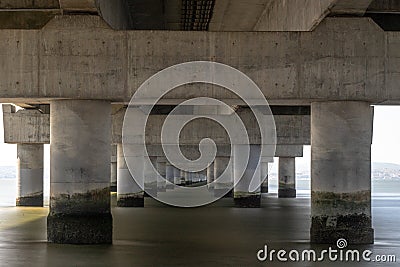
150 177
113 186
169 175
30 175
287 177
210 176
223 182
177 176
243 196
80 172
161 169
129 193
264 177
184 175
341 134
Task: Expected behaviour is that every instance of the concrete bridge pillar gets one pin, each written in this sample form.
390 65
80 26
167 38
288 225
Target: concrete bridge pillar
30 175
244 198
177 175
150 177
161 169
80 172
341 134
129 193
287 177
264 177
224 182
169 174
183 175
113 186
210 176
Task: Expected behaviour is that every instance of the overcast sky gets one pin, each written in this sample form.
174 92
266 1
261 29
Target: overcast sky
385 146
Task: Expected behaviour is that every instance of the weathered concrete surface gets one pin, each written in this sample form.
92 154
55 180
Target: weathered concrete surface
289 151
30 175
34 14
223 180
80 154
244 197
264 177
79 5
161 178
287 177
26 19
169 175
350 7
290 130
279 15
129 193
115 13
343 59
234 15
305 15
113 185
25 126
29 4
210 176
150 178
177 176
341 134
384 6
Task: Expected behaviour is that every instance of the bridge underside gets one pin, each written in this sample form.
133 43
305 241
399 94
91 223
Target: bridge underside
74 66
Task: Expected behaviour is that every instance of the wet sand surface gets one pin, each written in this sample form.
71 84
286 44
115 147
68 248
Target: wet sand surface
216 235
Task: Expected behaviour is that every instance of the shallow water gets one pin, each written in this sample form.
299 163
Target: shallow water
216 235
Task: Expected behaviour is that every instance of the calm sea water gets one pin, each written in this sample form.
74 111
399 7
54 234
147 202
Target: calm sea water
215 235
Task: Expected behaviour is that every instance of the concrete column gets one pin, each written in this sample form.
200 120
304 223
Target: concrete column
150 178
225 182
264 177
161 169
189 178
341 134
177 175
244 198
169 174
210 176
30 175
80 173
287 177
129 193
113 186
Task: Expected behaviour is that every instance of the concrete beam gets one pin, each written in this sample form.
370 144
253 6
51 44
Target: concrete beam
384 6
236 15
80 57
29 4
287 151
305 15
79 5
26 126
350 7
291 129
26 19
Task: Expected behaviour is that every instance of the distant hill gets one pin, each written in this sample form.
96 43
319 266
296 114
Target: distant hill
385 166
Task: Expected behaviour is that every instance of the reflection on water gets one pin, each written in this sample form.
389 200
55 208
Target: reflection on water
158 235
216 235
